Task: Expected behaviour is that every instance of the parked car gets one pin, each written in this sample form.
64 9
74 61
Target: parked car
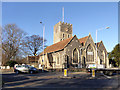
25 69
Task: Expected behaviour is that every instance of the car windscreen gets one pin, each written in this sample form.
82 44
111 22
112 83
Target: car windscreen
18 66
26 66
29 66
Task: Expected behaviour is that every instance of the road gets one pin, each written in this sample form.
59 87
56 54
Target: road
57 80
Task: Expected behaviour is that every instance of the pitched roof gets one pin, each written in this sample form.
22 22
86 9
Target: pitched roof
83 40
57 46
98 43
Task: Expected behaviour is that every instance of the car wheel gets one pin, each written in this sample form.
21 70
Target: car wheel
17 72
31 72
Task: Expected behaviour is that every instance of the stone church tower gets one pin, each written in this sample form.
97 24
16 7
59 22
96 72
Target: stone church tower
62 31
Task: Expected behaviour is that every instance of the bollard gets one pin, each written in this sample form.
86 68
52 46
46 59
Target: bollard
93 72
65 72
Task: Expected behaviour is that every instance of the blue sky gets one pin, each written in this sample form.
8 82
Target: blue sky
86 17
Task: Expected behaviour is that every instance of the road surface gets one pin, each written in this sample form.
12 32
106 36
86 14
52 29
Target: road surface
57 80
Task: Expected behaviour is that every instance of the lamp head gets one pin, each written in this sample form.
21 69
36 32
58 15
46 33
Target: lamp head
107 27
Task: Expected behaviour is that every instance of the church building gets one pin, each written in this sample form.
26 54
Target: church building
68 51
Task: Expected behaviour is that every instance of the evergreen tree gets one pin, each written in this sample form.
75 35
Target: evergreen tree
115 55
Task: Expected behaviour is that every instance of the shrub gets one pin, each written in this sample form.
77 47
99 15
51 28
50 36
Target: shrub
11 63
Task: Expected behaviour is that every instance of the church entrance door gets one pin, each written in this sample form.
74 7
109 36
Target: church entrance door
67 61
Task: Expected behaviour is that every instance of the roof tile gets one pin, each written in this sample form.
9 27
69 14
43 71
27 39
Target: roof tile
83 40
57 46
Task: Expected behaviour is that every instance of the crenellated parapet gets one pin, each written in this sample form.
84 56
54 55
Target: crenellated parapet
62 31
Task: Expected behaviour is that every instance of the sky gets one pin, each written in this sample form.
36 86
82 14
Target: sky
86 17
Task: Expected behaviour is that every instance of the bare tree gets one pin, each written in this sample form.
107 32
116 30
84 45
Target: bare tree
0 45
33 44
11 41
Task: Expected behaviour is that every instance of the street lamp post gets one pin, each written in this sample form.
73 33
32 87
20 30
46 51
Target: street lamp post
35 60
43 43
96 41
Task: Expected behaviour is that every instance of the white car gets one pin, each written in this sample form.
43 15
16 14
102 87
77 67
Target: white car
25 69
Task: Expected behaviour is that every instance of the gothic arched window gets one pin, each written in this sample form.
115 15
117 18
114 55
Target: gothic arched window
68 36
58 61
75 56
103 57
101 61
90 54
63 35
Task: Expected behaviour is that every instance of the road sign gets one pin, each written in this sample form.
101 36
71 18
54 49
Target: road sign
91 65
65 72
